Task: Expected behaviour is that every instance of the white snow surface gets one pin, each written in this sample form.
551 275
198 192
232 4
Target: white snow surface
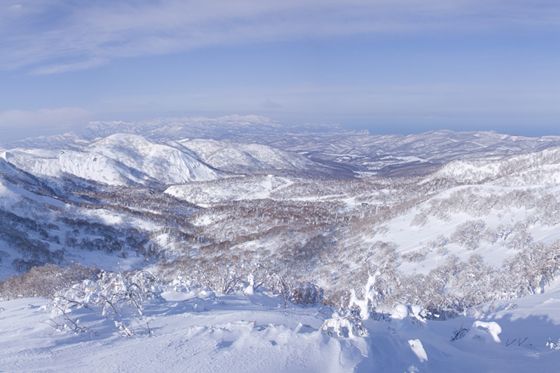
232 334
237 333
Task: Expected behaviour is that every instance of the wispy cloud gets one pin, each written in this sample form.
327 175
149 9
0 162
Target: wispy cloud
55 68
55 36
42 118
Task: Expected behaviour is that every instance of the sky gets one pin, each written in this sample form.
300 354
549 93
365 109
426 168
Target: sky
389 66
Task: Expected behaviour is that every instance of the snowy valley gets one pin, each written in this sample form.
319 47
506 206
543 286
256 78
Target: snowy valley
237 244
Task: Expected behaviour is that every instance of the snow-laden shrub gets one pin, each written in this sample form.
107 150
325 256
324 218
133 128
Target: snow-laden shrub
186 288
306 293
303 293
553 344
181 284
469 234
344 326
365 304
119 297
348 321
370 302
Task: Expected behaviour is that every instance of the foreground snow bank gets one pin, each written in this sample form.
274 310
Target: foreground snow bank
207 333
228 334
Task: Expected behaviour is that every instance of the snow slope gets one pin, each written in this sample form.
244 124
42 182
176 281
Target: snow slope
241 158
541 167
493 208
163 162
257 334
42 222
85 165
228 190
116 160
232 334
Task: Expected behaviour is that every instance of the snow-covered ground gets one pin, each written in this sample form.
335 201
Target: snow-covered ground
258 334
231 334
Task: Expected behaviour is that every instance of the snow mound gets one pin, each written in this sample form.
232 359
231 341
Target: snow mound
418 349
492 328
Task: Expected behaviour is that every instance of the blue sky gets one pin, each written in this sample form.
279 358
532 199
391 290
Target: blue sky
389 66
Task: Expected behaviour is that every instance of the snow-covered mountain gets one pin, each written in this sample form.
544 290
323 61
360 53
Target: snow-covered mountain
241 158
404 155
453 213
330 145
44 221
538 168
116 160
363 228
128 159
